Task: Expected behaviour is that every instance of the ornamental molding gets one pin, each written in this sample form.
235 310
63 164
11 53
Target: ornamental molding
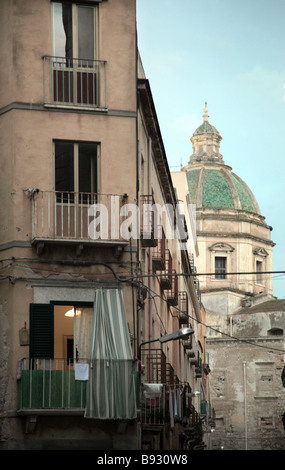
221 247
260 252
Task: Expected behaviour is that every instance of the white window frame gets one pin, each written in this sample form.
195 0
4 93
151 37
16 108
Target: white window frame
223 250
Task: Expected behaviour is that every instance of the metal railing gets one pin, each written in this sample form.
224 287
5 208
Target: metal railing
70 215
50 384
162 403
172 294
184 319
158 254
75 82
154 361
166 279
147 222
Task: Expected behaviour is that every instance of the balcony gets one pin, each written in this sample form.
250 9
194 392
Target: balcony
194 355
155 364
198 367
167 404
69 218
147 226
183 308
165 277
169 374
172 294
154 410
75 83
163 398
158 253
49 386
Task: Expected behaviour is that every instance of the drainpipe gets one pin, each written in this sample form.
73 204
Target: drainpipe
245 414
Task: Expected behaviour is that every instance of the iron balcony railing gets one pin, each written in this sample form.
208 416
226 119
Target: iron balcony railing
158 253
183 308
167 404
147 221
172 294
70 215
154 361
50 384
165 277
75 82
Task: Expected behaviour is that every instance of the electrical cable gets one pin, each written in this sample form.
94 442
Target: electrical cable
216 330
131 279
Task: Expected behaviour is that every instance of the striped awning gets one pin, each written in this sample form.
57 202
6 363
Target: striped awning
111 388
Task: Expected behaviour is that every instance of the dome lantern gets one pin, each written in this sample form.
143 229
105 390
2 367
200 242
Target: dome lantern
206 142
211 183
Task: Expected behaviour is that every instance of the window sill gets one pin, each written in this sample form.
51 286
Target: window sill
76 107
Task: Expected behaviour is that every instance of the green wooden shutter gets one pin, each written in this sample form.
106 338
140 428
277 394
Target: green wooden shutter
41 330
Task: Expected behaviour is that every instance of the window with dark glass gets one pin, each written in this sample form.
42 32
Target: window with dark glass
74 53
75 171
258 271
76 187
220 267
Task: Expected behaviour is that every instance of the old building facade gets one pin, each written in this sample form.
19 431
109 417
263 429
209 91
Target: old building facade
245 322
85 296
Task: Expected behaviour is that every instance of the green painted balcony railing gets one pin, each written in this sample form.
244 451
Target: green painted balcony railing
51 389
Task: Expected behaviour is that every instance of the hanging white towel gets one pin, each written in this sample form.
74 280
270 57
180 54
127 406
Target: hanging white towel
81 371
152 390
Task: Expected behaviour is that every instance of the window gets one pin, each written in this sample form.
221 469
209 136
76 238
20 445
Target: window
258 271
75 170
76 187
74 31
101 340
60 331
220 267
74 68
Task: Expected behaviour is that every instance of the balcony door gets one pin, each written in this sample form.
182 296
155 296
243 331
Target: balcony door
76 187
74 71
61 332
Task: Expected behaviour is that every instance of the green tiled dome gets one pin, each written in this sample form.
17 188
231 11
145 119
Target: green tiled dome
211 183
219 188
206 128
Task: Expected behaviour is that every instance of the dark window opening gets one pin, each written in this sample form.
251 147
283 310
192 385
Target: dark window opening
220 267
70 347
64 171
75 171
275 332
87 174
258 271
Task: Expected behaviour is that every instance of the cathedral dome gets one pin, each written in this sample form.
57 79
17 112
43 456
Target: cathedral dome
211 183
218 187
206 128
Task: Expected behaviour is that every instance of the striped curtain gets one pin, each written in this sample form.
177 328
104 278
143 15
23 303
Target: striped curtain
111 387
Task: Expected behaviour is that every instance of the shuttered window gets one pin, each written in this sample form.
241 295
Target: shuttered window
41 331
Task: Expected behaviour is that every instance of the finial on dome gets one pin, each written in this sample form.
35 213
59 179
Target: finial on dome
205 115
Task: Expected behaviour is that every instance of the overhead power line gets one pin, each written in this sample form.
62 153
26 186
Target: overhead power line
209 274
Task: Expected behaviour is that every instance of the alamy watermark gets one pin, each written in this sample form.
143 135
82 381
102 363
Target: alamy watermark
116 221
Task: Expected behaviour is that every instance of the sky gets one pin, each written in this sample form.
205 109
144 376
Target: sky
230 54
